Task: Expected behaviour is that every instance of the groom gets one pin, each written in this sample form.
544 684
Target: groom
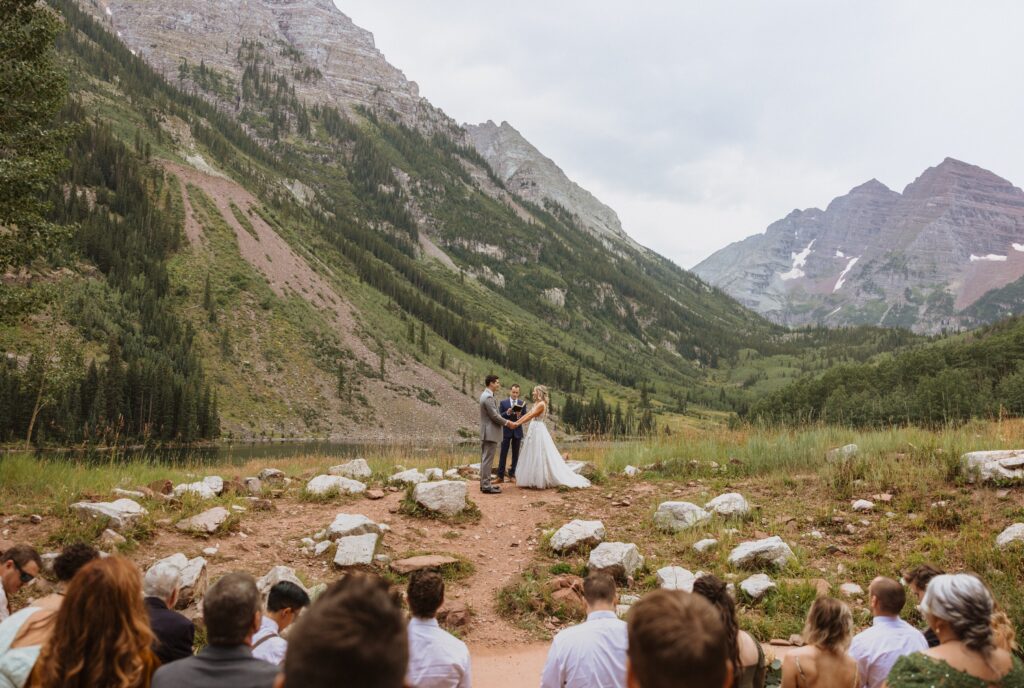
491 426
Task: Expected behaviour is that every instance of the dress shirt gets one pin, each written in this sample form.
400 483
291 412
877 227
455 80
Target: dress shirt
590 655
437 659
877 648
271 650
5 611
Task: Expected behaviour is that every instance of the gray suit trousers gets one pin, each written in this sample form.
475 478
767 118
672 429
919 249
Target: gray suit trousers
487 462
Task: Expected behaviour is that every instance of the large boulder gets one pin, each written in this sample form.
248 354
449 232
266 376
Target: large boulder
729 504
344 525
447 497
757 585
676 516
675 578
1012 534
576 534
355 550
205 523
271 475
1002 466
847 451
326 484
215 483
202 489
409 477
770 551
277 575
425 561
118 514
193 577
356 469
567 592
620 559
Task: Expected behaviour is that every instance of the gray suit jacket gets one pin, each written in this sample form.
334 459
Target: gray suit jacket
217 667
491 422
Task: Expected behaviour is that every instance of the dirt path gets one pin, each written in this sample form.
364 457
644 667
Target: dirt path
508 666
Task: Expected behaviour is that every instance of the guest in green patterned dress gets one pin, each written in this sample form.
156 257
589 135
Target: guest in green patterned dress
959 609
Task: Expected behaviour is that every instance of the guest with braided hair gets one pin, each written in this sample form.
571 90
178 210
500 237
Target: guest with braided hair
747 655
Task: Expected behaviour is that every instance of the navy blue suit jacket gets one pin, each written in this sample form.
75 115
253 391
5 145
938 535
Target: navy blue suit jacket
504 408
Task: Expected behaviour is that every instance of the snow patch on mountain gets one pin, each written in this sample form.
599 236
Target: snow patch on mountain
799 260
842 275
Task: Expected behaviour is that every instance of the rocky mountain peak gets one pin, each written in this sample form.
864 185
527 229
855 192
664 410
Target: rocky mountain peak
952 176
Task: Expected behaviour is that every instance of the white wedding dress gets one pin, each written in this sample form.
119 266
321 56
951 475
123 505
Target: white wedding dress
540 463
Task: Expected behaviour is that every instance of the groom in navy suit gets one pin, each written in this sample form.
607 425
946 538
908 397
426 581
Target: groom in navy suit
511 409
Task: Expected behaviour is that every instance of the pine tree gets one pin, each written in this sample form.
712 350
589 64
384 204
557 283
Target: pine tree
342 375
444 360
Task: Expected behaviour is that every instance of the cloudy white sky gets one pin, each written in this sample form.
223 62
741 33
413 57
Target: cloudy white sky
701 123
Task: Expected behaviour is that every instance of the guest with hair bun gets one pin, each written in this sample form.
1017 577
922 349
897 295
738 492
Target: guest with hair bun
745 653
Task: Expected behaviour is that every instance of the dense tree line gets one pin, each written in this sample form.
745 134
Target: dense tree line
598 417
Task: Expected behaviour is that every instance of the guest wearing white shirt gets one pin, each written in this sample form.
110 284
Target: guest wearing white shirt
592 654
284 604
889 638
18 566
437 659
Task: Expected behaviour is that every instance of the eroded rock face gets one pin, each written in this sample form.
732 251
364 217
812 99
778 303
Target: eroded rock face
619 559
446 497
676 516
576 534
770 551
1003 466
118 514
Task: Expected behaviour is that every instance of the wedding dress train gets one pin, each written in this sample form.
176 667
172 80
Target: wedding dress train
540 463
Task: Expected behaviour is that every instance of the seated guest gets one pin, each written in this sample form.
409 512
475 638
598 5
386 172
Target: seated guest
284 603
594 652
747 655
23 634
437 659
101 636
174 633
354 635
917 578
18 566
823 662
959 609
677 640
889 638
1004 635
231 611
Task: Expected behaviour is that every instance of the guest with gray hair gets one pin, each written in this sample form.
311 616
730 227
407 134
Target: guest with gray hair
958 607
174 633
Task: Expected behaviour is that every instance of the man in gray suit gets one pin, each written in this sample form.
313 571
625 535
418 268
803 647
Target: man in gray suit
491 425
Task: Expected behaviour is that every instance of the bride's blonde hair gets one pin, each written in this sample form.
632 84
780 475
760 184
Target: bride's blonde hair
543 391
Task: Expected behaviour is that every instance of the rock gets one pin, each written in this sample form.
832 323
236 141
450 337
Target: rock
48 559
883 497
676 516
375 494
193 577
675 578
851 590
276 575
842 453
1003 466
130 494
258 504
206 523
236 487
729 504
356 469
35 518
381 559
404 567
215 483
862 505
705 544
355 550
434 474
202 489
326 484
757 585
452 474
271 475
110 540
567 592
409 477
620 559
321 547
211 551
1012 534
119 514
164 487
576 534
630 471
850 529
454 615
350 524
771 551
446 497
253 485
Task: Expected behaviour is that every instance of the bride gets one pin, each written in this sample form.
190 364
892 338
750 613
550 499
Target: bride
540 463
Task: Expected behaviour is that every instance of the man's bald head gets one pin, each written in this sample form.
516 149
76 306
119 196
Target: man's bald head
889 596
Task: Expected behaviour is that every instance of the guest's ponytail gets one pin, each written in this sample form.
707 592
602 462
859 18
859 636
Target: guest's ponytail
716 592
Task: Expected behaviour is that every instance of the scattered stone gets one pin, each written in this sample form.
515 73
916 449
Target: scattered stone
850 529
356 469
238 509
771 551
276 575
675 578
883 497
577 534
409 477
630 471
629 599
381 559
236 486
355 550
452 474
253 485
1012 534
325 484
567 592
434 474
206 523
258 504
816 534
851 590
193 577
620 559
375 494
862 505
321 547
705 544
271 475
676 516
729 504
211 551
215 483
1003 466
446 497
454 615
118 514
345 525
757 585
842 453
404 567
202 489
110 539
130 494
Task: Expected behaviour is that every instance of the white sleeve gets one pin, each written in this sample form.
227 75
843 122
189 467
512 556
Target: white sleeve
552 676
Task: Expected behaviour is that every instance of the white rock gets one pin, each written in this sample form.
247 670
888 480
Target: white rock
577 533
308 542
130 494
845 452
357 469
409 477
276 575
729 504
678 516
629 599
816 534
202 489
215 483
325 484
630 471
675 578
1004 466
211 551
434 474
621 559
253 485
705 544
110 539
193 577
321 547
207 522
350 524
271 474
1012 534
757 585
355 550
447 497
118 514
621 610
851 590
238 509
770 551
862 505
452 474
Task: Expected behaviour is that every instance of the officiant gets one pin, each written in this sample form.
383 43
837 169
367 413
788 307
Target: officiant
513 408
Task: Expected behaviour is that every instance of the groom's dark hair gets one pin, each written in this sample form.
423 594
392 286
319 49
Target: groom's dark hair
489 379
426 593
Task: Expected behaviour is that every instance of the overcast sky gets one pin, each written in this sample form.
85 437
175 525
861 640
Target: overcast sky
701 123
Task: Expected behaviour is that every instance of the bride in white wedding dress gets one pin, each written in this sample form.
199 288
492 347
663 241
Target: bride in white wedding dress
540 463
